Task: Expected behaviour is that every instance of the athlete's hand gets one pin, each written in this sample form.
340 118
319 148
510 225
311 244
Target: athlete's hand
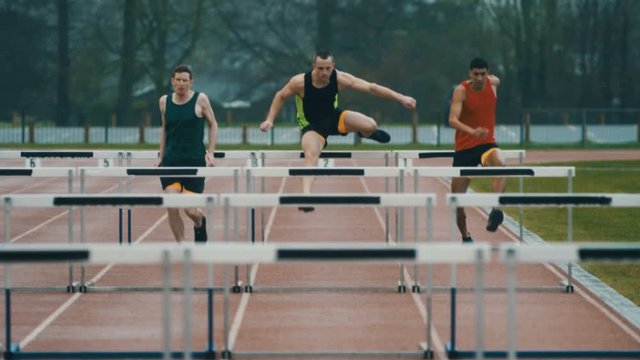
208 159
480 132
408 102
266 125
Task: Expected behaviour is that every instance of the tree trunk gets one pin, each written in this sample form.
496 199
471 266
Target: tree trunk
63 108
127 63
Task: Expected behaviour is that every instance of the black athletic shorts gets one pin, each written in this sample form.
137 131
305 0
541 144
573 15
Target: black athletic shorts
471 156
193 184
327 126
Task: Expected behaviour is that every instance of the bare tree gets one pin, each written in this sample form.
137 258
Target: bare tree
63 106
127 62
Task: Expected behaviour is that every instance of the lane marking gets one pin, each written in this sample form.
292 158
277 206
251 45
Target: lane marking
53 316
56 217
244 298
422 309
559 273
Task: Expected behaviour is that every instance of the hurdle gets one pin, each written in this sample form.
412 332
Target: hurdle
507 171
67 172
97 200
33 157
386 172
517 171
566 254
230 253
229 201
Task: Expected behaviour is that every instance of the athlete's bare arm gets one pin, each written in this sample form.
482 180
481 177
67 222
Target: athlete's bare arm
459 96
163 106
207 112
294 86
346 80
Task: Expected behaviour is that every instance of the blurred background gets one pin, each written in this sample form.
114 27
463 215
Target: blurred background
91 71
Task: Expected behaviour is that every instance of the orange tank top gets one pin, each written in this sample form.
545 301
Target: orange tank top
478 110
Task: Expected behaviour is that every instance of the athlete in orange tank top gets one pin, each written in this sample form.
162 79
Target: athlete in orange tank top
473 115
478 110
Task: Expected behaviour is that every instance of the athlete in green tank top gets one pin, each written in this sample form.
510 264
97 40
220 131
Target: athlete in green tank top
184 113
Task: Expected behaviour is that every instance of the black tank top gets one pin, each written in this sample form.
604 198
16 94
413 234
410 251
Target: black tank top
318 104
184 133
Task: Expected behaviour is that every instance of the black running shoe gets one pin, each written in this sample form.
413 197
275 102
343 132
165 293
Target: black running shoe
495 219
467 239
306 208
201 232
380 136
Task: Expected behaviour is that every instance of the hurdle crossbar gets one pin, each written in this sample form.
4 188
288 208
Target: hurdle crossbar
152 154
126 199
295 154
340 199
38 172
161 171
323 171
418 154
545 199
512 171
77 154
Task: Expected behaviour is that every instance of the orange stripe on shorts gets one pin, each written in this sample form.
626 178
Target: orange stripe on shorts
342 127
485 156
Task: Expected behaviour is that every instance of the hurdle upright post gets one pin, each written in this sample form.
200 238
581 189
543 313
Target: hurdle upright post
166 305
511 263
569 287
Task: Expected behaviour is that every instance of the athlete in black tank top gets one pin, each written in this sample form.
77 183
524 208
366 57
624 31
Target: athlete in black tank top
318 114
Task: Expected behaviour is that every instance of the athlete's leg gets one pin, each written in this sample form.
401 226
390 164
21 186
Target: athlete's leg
351 121
358 122
460 185
493 158
312 144
173 214
195 215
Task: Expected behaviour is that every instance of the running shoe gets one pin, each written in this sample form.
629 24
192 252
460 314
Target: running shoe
495 219
201 232
467 239
380 136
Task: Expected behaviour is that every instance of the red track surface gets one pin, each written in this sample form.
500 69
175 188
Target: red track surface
299 319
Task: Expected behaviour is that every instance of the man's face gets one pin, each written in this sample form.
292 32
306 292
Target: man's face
181 83
478 76
323 68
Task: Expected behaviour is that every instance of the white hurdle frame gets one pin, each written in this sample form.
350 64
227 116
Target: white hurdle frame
99 200
229 253
68 172
341 199
566 252
397 173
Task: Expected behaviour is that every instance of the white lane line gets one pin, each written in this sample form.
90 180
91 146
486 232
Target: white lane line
244 299
51 318
437 342
587 296
56 217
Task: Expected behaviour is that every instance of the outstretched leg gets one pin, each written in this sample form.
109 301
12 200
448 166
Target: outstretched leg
365 126
460 185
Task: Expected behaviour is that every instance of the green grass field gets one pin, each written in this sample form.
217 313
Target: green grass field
589 224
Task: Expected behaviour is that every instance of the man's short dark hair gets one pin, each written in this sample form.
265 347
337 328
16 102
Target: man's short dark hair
324 54
182 69
479 63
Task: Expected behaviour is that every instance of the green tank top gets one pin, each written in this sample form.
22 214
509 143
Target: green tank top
184 134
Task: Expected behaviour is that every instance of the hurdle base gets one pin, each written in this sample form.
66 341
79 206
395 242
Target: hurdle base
416 289
226 354
550 354
402 288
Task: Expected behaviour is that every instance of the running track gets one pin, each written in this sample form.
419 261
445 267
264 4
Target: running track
271 319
